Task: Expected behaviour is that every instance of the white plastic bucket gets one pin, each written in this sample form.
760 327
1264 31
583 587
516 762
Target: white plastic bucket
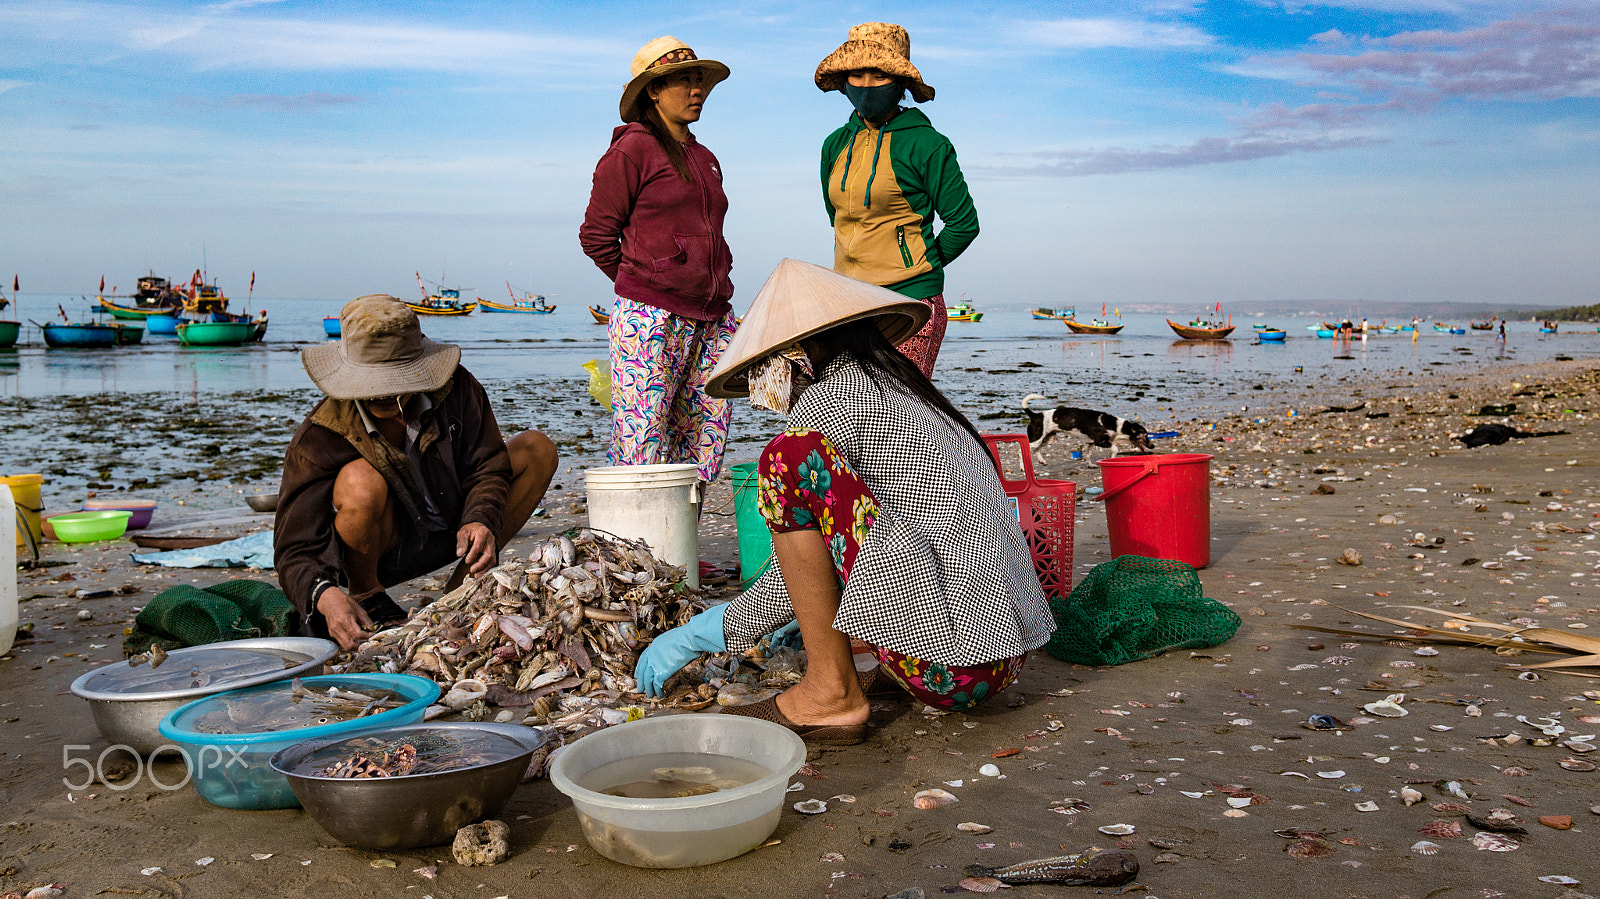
8 571
659 504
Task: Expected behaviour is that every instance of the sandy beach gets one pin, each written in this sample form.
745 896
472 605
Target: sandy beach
1161 744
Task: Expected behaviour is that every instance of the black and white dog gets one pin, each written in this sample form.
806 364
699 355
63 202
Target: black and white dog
1100 429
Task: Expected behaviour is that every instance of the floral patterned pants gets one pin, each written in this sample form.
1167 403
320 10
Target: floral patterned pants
804 484
660 411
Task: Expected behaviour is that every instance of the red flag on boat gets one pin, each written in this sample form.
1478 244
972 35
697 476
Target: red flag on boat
14 288
102 283
252 281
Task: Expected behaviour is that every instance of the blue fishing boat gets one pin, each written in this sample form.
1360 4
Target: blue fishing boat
1272 335
163 324
80 335
330 325
1326 333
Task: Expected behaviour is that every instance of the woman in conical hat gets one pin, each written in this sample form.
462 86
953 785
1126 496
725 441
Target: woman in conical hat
654 227
887 175
892 536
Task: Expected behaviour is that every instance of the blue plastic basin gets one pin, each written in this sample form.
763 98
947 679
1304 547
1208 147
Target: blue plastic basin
234 770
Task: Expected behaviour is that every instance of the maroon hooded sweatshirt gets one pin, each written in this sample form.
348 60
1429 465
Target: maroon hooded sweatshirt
655 235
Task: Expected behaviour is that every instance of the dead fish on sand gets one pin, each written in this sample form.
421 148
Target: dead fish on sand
1109 868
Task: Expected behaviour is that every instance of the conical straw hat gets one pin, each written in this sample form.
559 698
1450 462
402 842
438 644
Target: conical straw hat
799 300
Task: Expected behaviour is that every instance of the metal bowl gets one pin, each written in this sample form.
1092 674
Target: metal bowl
416 809
132 719
262 502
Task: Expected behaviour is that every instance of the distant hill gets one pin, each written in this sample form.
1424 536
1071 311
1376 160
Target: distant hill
1343 308
1570 314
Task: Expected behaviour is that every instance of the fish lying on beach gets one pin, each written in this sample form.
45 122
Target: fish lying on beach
1496 434
1107 868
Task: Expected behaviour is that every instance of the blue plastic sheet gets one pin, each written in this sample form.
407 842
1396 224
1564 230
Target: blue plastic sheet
254 551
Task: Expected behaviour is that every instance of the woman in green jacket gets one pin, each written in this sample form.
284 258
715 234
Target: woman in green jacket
887 174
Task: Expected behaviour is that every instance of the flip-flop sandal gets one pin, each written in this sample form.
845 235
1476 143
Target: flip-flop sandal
878 685
828 734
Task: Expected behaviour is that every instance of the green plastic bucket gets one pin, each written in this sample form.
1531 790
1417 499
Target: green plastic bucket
755 540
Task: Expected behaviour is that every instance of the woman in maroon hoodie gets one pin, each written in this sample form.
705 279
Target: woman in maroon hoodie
654 226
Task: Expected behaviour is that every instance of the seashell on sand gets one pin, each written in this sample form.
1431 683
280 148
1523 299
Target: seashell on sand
811 807
1424 847
1117 830
1494 842
973 827
980 884
1410 796
1440 830
1572 764
935 798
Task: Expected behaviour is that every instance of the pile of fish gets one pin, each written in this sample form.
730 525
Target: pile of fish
558 636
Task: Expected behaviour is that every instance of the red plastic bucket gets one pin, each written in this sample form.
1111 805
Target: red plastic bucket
1159 506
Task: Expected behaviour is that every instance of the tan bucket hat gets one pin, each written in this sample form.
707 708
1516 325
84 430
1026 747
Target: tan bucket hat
381 352
799 300
873 45
657 59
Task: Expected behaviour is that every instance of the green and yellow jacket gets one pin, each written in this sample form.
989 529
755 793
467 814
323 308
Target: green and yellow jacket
883 188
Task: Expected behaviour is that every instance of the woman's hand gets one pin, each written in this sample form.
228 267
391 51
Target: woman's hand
676 648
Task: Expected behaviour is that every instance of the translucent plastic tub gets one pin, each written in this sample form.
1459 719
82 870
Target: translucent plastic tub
234 770
690 830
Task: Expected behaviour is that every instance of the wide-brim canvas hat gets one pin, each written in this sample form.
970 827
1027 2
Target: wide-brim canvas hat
658 59
873 45
380 352
799 300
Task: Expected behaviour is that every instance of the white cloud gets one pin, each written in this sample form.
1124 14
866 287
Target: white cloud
1101 33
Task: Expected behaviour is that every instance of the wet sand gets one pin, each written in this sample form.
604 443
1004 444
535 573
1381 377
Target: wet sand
1079 748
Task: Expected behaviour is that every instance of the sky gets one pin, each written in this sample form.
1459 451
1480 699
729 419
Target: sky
1158 152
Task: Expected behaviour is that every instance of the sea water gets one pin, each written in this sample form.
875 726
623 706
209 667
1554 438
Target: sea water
685 836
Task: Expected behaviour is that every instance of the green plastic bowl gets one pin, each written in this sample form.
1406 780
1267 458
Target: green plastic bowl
87 527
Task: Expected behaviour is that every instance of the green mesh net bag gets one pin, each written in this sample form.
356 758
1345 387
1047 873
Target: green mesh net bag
191 616
1133 608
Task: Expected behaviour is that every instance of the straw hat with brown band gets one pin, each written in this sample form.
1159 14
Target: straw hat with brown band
799 300
380 352
874 45
658 59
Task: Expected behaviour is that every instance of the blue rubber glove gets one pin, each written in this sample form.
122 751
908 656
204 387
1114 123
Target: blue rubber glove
788 635
678 647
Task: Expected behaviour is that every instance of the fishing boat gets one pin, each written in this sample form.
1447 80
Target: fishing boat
1326 332
1271 335
154 295
528 303
963 312
216 333
259 322
1483 326
1057 314
1200 329
330 325
446 301
601 317
1097 326
202 298
83 335
9 328
164 324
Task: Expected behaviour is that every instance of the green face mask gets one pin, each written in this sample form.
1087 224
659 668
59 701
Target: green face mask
875 103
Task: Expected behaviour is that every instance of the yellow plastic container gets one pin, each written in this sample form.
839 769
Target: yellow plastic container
25 492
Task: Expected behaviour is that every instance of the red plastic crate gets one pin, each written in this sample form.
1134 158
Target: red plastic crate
1045 510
